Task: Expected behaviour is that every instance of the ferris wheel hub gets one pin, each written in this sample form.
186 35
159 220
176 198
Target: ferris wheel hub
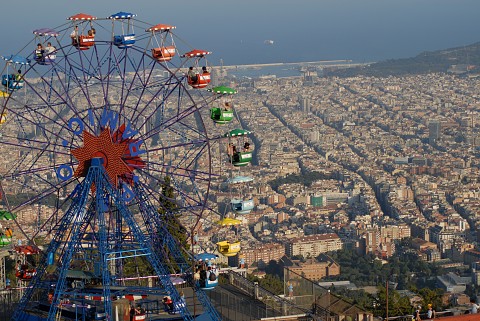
113 153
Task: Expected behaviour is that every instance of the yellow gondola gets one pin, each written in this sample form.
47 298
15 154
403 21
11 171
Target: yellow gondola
228 248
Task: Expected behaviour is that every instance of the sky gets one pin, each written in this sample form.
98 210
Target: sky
301 30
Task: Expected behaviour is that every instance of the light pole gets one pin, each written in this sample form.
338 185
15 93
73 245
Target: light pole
328 305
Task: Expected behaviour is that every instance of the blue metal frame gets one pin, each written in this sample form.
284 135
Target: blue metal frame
86 208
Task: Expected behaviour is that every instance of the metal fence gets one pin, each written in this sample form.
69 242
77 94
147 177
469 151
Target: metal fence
302 291
253 301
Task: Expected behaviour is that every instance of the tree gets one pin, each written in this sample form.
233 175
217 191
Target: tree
168 213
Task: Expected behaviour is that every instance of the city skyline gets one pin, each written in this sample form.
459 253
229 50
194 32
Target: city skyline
236 32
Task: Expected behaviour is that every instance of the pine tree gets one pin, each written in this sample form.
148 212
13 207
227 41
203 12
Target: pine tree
169 214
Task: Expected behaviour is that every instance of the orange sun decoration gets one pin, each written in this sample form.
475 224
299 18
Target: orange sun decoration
115 152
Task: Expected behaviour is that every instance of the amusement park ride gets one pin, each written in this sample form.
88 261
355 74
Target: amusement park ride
97 121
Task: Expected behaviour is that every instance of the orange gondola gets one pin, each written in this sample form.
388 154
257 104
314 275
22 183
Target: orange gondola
79 40
164 51
197 79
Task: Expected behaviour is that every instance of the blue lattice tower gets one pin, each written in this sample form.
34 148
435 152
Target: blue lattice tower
92 201
165 239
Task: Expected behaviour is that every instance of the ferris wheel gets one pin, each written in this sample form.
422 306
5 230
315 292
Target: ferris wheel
104 147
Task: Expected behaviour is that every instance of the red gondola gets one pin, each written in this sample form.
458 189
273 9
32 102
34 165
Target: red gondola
200 79
79 40
24 272
163 52
26 249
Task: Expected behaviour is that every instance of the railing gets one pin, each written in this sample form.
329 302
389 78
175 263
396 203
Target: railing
282 306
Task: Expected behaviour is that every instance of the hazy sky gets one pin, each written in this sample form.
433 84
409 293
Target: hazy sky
302 30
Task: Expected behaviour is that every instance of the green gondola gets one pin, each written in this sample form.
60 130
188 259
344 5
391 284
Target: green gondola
222 115
239 158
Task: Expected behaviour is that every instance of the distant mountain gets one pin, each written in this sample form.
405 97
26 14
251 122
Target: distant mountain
466 58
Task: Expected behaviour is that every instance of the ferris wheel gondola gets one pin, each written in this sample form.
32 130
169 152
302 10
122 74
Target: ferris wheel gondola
243 205
239 149
224 113
229 247
15 80
45 54
206 274
83 34
198 77
164 47
127 38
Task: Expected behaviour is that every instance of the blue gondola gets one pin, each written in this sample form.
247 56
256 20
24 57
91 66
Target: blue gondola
14 81
208 274
242 206
126 39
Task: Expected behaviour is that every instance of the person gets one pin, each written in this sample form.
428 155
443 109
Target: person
139 310
196 276
19 267
168 304
430 312
416 316
50 297
49 48
231 149
39 52
195 238
74 35
203 277
474 308
18 75
132 312
227 105
204 70
192 76
92 31
246 146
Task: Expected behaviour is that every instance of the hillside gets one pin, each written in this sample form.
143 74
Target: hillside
425 62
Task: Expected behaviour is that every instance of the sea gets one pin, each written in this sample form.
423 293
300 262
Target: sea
279 70
255 72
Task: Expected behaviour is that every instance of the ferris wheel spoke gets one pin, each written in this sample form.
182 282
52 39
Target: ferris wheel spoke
192 143
21 116
195 173
166 92
33 147
142 84
171 121
192 173
35 170
43 194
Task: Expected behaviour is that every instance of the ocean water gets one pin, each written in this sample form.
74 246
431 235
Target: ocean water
255 72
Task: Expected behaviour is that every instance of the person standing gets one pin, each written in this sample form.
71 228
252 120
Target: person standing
430 312
132 312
